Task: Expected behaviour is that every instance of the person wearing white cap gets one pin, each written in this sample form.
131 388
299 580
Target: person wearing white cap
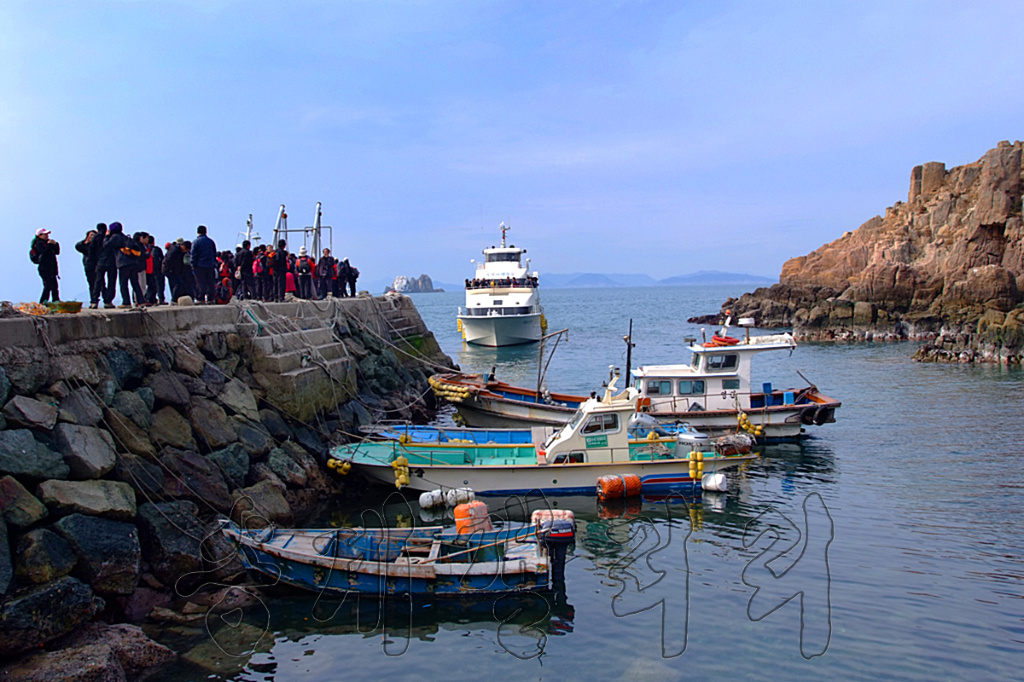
44 253
304 269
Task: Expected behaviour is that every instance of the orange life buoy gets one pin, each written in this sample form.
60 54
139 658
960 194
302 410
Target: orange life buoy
724 340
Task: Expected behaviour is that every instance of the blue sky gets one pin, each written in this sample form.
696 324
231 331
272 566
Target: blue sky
656 137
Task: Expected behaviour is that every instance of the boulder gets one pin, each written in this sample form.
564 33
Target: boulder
40 614
42 556
210 424
110 499
220 556
226 653
131 437
21 455
131 405
88 451
168 390
213 377
261 504
233 462
6 567
171 534
92 663
238 398
126 368
194 386
253 436
5 386
148 397
18 507
170 428
285 467
139 604
307 438
275 425
30 413
135 651
145 477
83 406
108 552
188 361
195 478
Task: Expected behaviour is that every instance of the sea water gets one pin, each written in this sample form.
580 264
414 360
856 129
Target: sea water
888 544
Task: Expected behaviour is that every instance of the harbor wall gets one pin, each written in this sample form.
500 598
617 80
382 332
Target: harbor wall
125 435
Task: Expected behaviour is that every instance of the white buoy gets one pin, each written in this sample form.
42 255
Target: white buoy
716 482
457 496
431 499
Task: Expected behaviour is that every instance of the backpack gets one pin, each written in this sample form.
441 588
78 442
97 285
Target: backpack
259 265
34 256
302 266
129 251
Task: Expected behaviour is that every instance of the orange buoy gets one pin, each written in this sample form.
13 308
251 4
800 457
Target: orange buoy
725 340
618 486
471 517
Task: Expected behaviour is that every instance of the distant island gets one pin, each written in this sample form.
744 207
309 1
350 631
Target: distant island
412 285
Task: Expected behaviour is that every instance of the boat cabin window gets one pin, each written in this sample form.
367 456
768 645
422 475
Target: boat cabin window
727 361
503 257
600 423
691 387
570 458
659 388
695 361
730 384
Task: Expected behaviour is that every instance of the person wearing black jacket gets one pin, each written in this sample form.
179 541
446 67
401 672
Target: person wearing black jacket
243 261
90 248
279 264
155 280
174 268
128 254
325 274
44 253
106 265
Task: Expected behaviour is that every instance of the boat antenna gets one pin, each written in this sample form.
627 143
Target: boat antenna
629 349
504 228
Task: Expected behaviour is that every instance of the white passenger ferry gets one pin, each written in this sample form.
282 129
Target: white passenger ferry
502 300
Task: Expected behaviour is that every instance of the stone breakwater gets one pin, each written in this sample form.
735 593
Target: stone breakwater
945 267
125 436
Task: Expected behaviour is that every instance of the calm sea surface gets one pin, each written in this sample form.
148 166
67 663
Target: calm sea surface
887 545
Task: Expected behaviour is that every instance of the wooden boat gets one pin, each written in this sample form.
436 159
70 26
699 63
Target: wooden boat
712 392
390 562
593 443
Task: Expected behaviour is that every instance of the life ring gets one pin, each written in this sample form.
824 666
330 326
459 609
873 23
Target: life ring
724 340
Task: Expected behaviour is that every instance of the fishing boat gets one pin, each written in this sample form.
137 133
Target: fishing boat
712 392
502 300
593 443
473 558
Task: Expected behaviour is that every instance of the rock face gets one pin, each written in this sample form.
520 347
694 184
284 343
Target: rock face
108 552
87 450
412 285
110 499
34 617
938 262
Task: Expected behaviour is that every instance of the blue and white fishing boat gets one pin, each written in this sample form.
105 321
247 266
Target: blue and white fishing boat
431 561
594 443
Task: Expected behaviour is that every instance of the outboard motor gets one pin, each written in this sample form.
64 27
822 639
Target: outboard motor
556 528
689 439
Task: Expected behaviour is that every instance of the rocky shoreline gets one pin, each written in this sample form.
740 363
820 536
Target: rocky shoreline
946 267
119 455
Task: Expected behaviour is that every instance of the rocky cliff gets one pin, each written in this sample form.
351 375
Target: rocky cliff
125 435
946 266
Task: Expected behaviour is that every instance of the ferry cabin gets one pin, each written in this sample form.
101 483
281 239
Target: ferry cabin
717 379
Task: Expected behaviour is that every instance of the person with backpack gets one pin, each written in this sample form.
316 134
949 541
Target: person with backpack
351 275
325 274
44 252
340 288
128 256
154 273
304 270
173 268
261 270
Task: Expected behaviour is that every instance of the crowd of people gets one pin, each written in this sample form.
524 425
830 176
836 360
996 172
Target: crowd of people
503 282
143 271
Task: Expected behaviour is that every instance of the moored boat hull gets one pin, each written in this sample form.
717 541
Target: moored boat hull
497 331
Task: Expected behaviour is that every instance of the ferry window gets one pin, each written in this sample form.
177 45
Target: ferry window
502 257
496 301
691 388
659 388
695 361
722 361
730 384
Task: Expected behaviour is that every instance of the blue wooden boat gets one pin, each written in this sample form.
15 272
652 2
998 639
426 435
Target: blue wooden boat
430 561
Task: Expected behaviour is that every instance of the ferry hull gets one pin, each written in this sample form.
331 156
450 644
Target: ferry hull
495 331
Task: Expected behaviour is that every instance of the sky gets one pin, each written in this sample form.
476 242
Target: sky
629 137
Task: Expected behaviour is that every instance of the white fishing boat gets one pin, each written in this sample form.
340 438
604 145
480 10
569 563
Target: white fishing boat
713 393
593 444
502 300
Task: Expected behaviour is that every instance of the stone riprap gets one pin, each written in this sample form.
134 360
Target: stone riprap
126 435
